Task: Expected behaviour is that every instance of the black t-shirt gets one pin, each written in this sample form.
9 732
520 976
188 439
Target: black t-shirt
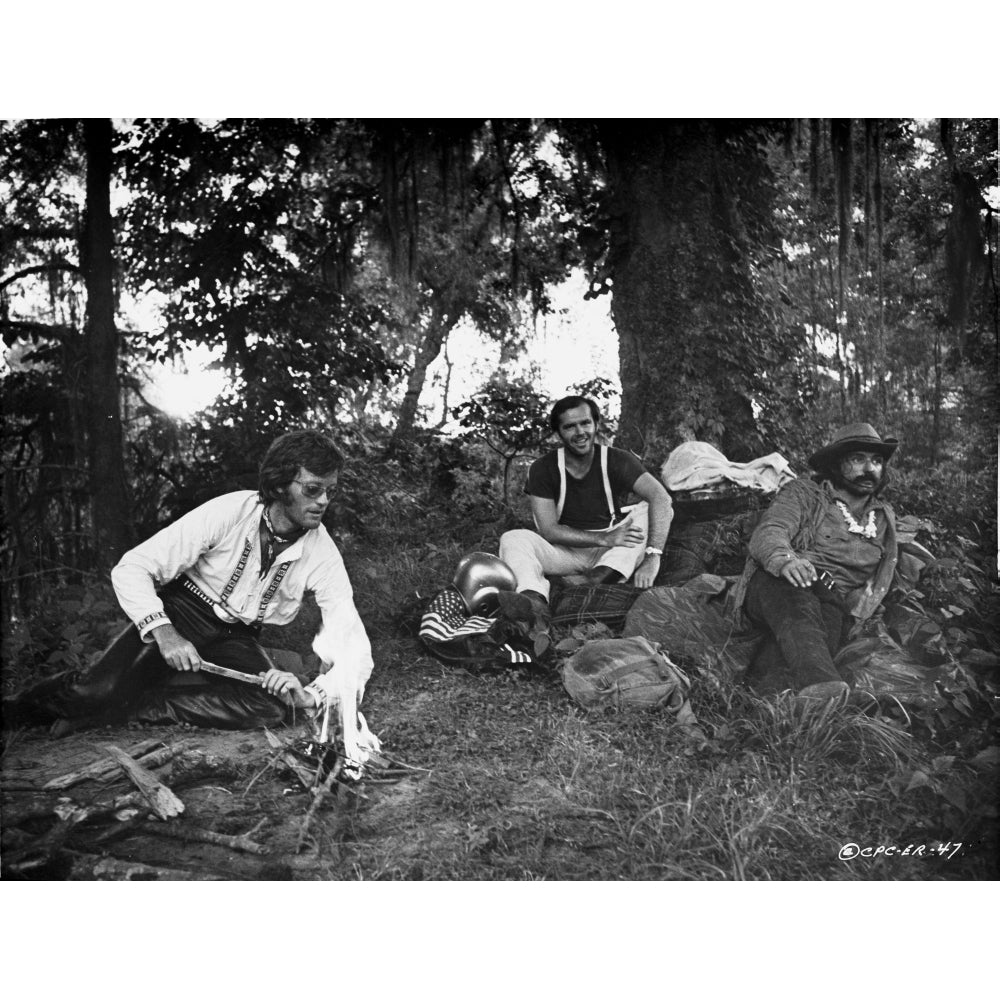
586 505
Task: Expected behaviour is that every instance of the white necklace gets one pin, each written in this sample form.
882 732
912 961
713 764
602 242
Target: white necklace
855 527
280 539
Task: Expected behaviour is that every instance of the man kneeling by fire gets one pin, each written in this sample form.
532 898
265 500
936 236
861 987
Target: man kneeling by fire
198 593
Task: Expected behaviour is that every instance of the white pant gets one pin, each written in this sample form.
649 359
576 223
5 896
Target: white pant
532 558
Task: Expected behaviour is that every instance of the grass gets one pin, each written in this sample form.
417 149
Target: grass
524 784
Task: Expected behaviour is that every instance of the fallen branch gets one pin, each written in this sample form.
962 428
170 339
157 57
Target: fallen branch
22 812
319 795
99 769
160 757
89 866
161 799
242 842
20 786
127 822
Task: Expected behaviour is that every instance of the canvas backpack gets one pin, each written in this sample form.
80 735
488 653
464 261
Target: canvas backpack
627 673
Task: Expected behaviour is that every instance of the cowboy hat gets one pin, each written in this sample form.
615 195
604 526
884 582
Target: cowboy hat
853 437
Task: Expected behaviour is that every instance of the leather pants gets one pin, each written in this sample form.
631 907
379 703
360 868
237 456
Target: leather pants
132 682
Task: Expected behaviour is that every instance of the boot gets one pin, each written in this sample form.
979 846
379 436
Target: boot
540 611
41 703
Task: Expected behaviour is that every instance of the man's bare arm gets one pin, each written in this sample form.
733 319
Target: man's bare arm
544 511
661 513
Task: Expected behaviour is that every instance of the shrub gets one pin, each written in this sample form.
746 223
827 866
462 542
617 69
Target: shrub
67 629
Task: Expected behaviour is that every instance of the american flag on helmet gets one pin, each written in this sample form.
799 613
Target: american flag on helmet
447 620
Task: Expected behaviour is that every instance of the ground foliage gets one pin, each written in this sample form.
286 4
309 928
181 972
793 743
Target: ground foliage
524 784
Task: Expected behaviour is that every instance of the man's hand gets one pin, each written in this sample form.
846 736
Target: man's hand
626 534
799 572
286 686
645 575
175 649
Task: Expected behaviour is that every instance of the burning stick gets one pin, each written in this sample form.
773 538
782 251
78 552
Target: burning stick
303 773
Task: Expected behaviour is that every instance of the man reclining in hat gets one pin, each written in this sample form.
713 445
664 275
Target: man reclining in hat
576 494
199 592
821 559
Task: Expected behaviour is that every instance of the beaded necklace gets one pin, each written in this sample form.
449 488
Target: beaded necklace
866 530
280 539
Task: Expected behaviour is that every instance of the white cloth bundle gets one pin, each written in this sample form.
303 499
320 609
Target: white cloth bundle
696 465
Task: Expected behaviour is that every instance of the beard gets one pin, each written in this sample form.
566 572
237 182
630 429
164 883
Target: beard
856 486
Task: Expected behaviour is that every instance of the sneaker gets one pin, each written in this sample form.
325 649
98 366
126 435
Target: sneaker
824 691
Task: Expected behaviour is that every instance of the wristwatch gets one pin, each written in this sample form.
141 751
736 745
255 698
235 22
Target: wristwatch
650 551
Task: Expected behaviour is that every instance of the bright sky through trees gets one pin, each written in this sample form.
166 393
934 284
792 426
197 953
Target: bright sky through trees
574 344
184 387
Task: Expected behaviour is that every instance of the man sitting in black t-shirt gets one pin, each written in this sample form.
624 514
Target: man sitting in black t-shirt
576 499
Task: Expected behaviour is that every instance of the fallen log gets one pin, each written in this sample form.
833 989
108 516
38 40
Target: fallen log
17 813
241 842
32 852
22 812
97 770
161 799
20 786
40 851
89 866
160 757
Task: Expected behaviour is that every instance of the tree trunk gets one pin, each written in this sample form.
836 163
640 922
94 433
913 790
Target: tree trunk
936 404
112 522
881 364
682 301
445 392
438 328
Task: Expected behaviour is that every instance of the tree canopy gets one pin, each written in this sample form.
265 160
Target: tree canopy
767 279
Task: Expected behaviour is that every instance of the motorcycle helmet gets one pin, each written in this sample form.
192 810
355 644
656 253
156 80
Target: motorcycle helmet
479 579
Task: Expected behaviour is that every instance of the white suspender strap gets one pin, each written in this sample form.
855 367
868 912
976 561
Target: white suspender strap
607 485
561 501
561 462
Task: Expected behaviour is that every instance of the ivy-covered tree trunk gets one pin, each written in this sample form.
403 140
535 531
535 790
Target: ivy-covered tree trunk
694 333
109 495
